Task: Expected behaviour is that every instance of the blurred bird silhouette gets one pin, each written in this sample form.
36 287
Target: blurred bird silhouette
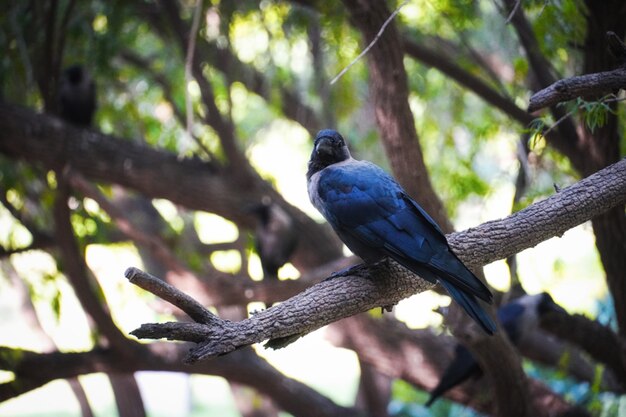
376 219
77 96
275 237
518 318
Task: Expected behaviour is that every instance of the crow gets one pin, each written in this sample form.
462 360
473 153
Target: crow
517 318
275 237
77 96
376 219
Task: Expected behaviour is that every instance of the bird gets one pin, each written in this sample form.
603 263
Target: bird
376 219
518 318
275 237
77 96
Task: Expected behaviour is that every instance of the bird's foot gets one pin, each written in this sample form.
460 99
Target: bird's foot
386 309
281 342
351 270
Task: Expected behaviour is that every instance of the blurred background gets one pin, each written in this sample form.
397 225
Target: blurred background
133 99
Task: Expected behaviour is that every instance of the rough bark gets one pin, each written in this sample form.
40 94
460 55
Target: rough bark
387 283
596 84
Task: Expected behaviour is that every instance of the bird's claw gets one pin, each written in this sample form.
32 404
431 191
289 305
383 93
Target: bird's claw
386 309
255 312
351 270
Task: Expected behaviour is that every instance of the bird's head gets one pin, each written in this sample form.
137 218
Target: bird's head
74 74
329 148
546 304
260 210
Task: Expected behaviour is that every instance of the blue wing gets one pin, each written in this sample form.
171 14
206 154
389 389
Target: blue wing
509 316
376 218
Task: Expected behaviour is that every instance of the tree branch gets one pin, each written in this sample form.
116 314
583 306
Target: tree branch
170 294
596 84
600 342
317 306
224 60
159 174
479 87
33 370
548 218
420 357
390 95
79 275
567 141
386 283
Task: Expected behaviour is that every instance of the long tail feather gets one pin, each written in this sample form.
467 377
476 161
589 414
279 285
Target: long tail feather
462 367
471 307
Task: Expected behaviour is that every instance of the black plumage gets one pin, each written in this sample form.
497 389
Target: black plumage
518 318
377 219
275 237
77 96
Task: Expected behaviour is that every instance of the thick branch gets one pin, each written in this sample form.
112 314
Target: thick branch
33 370
188 182
548 218
82 280
595 84
387 283
324 303
420 356
390 95
479 87
600 342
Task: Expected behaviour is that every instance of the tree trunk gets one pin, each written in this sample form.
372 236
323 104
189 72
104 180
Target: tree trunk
603 144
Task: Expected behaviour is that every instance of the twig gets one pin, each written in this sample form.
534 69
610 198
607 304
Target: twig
143 64
171 294
558 122
574 110
191 47
515 8
366 50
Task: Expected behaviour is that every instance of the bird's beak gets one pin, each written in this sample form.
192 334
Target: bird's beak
324 147
548 305
252 208
554 307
